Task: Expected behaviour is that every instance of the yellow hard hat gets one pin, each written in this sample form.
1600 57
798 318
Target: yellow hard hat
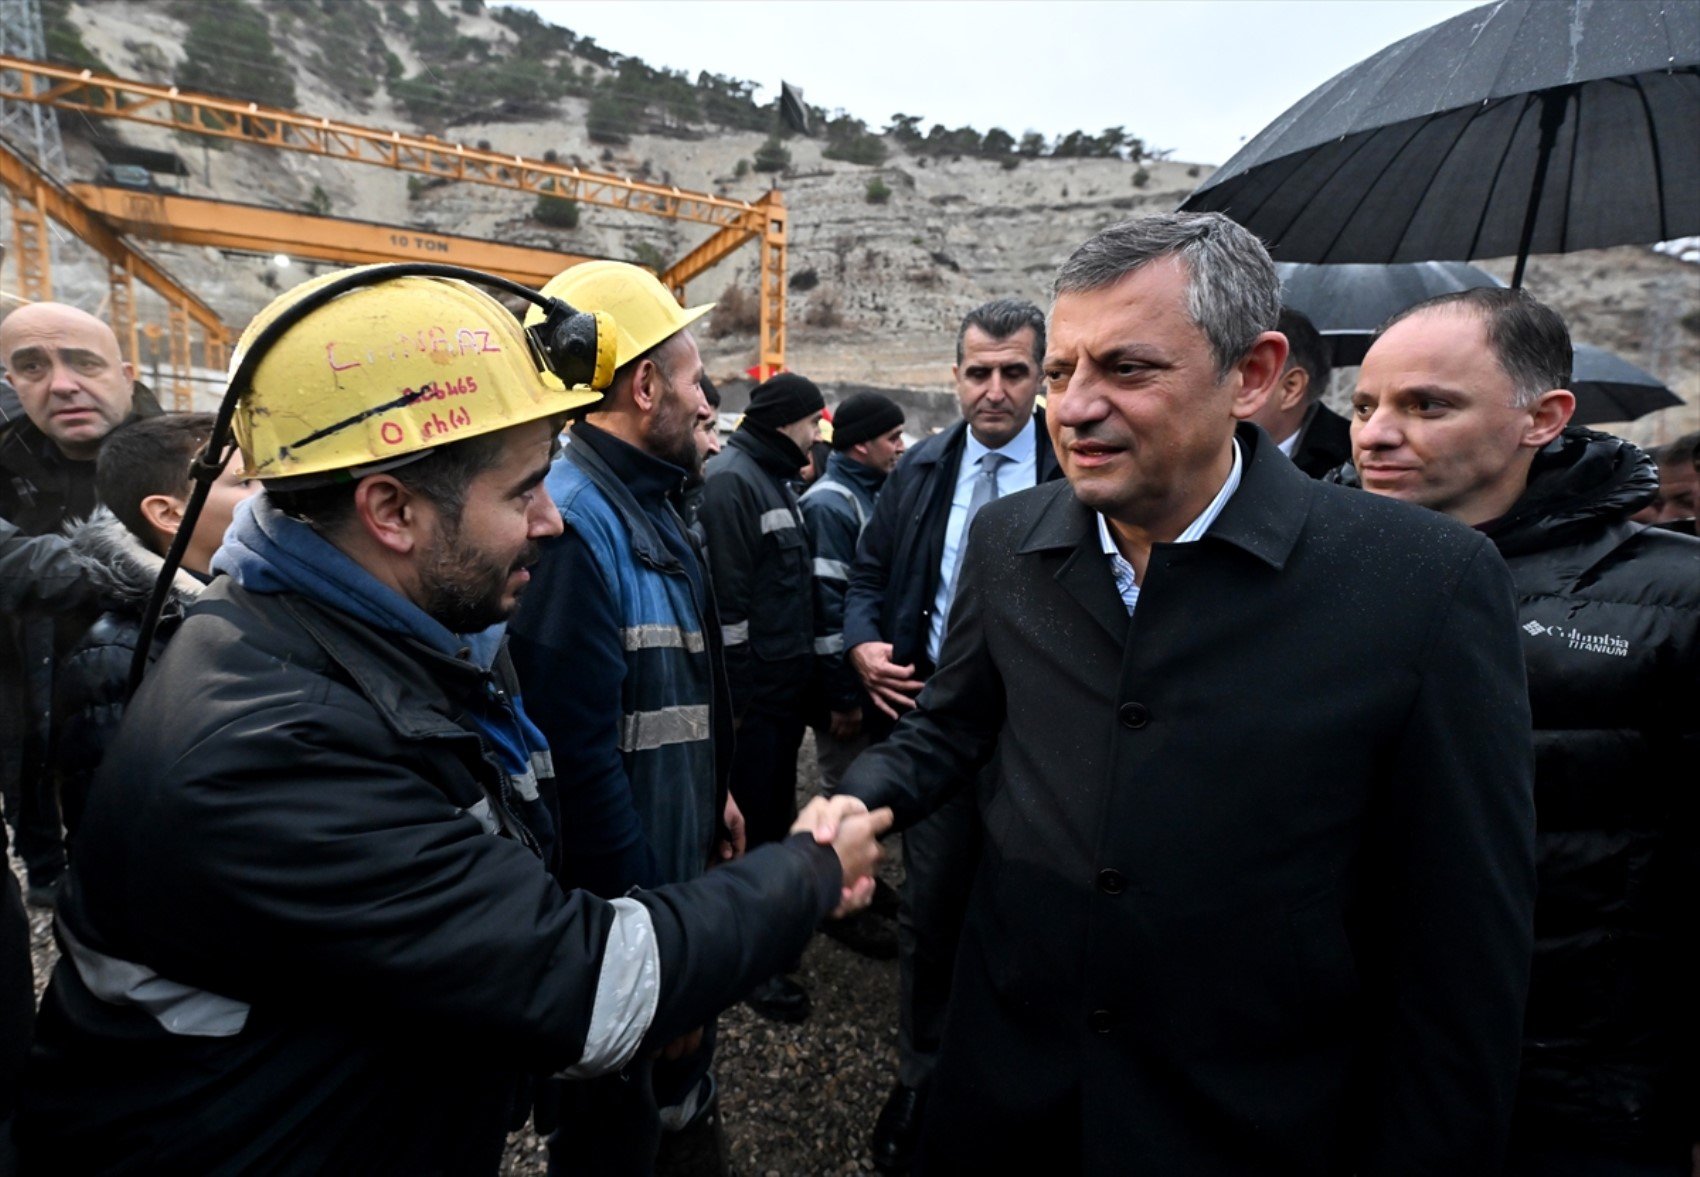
382 372
643 311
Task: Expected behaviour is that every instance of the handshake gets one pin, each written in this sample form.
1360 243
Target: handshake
845 824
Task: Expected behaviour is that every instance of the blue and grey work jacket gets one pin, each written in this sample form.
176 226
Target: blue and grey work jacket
619 660
835 510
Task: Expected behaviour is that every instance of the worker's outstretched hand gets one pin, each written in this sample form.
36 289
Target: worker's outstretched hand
845 824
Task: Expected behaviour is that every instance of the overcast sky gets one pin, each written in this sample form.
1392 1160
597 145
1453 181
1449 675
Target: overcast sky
1198 76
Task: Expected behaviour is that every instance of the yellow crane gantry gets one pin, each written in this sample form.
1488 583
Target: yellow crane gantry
735 222
38 196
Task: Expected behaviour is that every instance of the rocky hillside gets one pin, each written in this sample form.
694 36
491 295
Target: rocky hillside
885 256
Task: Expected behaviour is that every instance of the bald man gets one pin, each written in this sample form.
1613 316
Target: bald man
74 388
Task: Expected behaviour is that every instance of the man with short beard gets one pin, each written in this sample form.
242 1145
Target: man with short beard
619 657
310 926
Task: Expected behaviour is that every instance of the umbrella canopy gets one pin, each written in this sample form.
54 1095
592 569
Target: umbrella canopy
1348 303
1525 126
1610 388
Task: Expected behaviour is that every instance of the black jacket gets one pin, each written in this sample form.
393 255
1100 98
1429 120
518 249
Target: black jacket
1258 874
307 931
759 562
1325 440
1611 632
91 686
895 578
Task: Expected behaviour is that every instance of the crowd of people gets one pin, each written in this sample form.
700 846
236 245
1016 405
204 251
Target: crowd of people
1280 792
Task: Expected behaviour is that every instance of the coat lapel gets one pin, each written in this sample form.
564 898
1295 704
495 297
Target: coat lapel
1068 530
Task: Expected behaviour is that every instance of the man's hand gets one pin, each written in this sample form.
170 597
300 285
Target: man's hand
845 824
731 846
892 687
846 725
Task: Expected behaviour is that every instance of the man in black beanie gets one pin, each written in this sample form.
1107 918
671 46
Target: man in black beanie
760 564
867 440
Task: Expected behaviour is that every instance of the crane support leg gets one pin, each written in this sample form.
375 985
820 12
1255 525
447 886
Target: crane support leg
30 250
772 292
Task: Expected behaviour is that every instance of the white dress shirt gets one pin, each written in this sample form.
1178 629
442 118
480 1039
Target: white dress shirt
1126 583
1019 471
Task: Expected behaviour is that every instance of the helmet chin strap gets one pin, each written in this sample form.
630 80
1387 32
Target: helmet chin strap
568 344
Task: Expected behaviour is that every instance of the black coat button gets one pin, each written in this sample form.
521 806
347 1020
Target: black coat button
1100 1021
1112 882
1134 715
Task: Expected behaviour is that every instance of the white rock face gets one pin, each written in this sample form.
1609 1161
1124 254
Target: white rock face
887 283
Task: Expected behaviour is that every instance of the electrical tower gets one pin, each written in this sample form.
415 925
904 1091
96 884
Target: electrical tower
33 129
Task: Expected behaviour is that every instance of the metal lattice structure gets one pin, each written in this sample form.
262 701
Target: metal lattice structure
35 129
736 222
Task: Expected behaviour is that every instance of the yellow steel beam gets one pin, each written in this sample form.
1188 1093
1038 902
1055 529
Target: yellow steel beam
52 199
772 321
190 220
57 202
29 246
706 256
23 80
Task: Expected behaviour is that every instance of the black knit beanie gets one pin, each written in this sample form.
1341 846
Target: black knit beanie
863 417
783 399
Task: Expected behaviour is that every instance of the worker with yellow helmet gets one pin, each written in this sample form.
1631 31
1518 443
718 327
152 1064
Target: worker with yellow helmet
618 653
310 924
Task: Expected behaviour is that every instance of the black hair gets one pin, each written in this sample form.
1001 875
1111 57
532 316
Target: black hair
710 393
1003 317
148 456
441 477
1305 349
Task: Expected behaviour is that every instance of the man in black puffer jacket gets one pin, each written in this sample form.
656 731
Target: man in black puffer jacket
1461 407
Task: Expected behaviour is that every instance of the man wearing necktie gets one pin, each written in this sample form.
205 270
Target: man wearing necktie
895 609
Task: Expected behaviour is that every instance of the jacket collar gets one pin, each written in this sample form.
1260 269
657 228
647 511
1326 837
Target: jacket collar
845 469
775 453
1263 518
588 456
953 440
121 568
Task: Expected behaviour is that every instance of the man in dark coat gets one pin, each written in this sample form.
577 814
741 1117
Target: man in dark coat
894 621
1317 439
74 388
760 567
1462 406
1258 872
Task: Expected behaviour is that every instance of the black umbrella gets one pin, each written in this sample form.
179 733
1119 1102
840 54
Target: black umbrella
1347 303
1525 126
1610 388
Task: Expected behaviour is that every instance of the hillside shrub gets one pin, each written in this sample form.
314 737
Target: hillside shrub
878 191
555 211
736 312
772 156
227 50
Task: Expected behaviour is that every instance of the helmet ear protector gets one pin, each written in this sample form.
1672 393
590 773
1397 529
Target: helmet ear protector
571 344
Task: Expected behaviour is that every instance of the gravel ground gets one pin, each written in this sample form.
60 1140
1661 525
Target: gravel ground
796 1100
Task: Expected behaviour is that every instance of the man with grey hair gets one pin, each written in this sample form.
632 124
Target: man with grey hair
1462 407
1257 873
